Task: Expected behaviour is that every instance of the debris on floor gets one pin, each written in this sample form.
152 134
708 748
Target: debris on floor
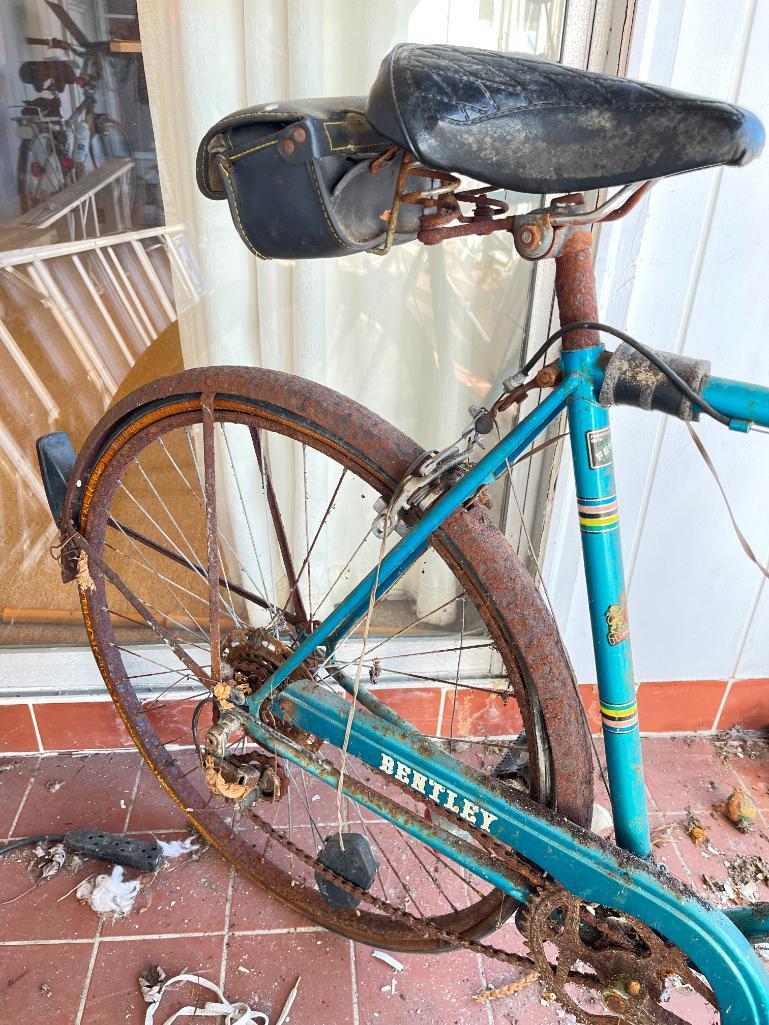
283 1016
150 983
602 822
175 848
110 894
695 830
49 861
509 989
236 1013
745 874
388 959
54 784
740 809
741 743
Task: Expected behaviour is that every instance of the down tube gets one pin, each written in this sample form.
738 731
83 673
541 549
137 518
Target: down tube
599 529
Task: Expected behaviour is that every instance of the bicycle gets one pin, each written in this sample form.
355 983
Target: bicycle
57 151
306 780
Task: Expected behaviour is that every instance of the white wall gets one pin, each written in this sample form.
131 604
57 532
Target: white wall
687 272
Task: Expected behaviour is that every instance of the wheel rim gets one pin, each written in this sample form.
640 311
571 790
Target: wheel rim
483 909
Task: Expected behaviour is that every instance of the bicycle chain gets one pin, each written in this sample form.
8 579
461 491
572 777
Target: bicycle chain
419 925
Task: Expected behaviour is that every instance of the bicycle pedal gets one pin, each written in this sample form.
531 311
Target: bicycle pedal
144 855
356 864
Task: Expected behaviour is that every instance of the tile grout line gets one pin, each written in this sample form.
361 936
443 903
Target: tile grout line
24 797
226 933
132 798
133 937
441 706
484 986
89 973
724 696
354 984
33 717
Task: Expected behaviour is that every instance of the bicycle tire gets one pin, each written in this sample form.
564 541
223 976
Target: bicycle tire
474 549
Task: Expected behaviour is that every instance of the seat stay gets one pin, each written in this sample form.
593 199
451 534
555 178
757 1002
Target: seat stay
404 554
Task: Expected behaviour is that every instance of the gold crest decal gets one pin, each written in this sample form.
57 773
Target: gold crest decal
616 621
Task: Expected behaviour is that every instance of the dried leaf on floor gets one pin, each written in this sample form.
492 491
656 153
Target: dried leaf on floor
150 983
49 861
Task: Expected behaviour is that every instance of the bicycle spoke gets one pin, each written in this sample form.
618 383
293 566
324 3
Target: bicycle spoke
254 596
280 530
271 604
209 468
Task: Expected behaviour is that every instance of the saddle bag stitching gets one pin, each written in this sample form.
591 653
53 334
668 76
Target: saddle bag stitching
243 235
350 147
254 149
314 177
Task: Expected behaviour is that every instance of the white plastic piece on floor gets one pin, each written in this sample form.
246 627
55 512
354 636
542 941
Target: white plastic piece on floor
602 820
388 959
175 848
234 1014
110 893
283 1016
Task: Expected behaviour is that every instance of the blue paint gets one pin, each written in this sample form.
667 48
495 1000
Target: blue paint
590 438
593 870
409 548
589 867
743 402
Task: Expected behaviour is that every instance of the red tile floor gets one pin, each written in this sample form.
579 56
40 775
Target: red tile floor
61 962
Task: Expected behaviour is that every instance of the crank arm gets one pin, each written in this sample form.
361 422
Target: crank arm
582 862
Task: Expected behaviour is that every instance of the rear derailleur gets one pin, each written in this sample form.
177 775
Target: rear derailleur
243 778
249 656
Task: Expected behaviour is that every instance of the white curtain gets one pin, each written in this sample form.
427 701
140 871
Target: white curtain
417 336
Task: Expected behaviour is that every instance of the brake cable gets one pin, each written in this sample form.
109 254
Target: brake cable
654 358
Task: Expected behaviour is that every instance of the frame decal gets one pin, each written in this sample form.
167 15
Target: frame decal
598 515
599 452
617 622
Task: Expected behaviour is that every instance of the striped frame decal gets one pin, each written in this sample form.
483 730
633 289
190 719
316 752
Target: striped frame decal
619 718
598 515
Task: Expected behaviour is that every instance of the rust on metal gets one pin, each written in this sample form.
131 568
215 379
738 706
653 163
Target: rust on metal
139 606
212 532
280 533
180 560
575 287
474 548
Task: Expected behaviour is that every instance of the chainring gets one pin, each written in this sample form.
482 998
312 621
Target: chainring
610 967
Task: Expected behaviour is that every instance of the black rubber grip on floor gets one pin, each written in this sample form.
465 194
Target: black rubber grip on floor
145 855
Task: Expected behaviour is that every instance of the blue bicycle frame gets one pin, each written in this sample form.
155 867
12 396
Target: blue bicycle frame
621 876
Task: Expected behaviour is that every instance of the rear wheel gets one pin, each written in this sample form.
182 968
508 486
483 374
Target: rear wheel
293 471
39 173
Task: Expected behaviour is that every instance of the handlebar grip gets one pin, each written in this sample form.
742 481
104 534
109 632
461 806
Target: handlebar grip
34 41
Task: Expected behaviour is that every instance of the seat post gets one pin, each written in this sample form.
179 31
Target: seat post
575 287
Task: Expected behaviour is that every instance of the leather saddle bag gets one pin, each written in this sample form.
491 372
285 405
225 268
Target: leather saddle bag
299 178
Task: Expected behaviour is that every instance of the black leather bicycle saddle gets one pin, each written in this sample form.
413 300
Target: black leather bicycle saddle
526 124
